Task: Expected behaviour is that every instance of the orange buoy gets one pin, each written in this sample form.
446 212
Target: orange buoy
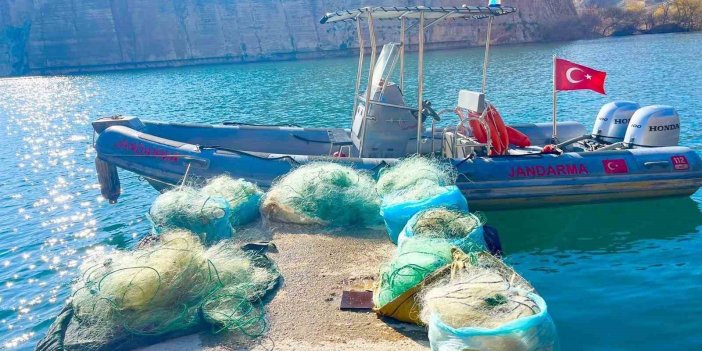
498 131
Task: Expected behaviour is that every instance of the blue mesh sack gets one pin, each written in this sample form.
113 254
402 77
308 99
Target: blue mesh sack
462 229
399 208
484 305
536 332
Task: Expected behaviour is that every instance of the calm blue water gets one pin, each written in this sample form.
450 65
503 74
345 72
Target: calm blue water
616 277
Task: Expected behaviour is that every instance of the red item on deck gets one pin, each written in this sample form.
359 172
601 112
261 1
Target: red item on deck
518 138
339 154
550 149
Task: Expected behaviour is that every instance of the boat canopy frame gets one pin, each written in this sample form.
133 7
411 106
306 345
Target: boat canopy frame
415 12
419 15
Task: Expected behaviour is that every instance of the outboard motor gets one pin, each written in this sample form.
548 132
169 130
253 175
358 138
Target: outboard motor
653 126
613 120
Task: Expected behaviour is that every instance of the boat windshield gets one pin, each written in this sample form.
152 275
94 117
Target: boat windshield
385 67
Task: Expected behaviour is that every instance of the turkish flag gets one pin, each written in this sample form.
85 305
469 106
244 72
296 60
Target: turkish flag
572 76
615 166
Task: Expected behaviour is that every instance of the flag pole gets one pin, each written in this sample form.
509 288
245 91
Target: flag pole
487 53
554 137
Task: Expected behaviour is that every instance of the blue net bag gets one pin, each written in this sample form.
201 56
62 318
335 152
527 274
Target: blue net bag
396 213
484 305
531 333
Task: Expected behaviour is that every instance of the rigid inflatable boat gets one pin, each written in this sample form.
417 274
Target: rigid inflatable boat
630 153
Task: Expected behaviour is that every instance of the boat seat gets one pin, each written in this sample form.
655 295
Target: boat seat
339 137
339 140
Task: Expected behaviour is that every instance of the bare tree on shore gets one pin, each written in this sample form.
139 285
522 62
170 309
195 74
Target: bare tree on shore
637 16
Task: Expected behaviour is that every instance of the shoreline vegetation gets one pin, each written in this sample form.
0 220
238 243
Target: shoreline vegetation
634 17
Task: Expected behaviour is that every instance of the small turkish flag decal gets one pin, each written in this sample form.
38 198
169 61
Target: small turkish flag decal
615 166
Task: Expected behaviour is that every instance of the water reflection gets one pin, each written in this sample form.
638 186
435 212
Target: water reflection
611 271
604 227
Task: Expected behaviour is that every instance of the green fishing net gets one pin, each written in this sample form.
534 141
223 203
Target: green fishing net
485 305
484 293
420 190
462 229
243 197
323 193
426 174
416 259
176 284
445 223
187 208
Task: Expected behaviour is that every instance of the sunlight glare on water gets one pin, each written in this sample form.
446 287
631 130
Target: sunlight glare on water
49 193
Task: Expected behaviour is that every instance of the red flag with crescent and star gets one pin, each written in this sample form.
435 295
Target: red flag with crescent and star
617 166
572 76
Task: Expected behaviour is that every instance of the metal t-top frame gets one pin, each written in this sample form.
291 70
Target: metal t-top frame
419 15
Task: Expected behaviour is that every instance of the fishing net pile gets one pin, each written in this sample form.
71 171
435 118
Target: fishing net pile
462 229
444 223
187 208
414 185
172 287
415 171
211 212
415 260
427 216
243 197
482 304
325 194
421 190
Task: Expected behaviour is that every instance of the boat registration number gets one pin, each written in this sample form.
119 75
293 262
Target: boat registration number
680 163
144 150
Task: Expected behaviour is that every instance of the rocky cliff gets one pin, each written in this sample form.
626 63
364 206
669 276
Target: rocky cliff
57 36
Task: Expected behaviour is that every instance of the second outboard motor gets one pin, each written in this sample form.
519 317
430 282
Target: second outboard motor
613 119
653 126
